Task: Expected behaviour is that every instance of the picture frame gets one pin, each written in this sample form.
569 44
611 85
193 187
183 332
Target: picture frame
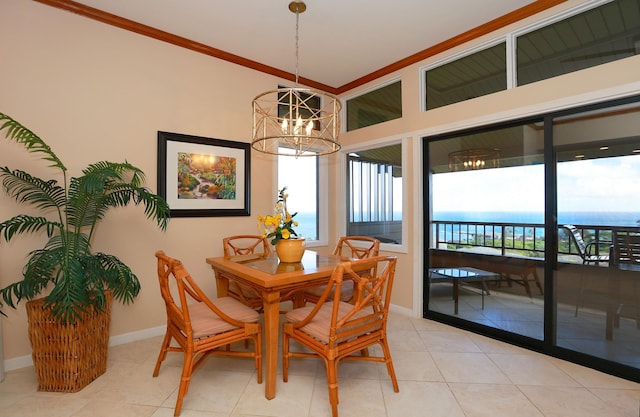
203 177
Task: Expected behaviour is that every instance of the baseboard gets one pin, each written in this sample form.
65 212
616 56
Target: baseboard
17 363
121 339
26 360
401 310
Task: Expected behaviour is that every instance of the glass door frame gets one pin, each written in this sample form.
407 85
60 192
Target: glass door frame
549 343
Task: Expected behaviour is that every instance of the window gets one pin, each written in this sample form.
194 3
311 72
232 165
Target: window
588 38
375 193
475 75
594 37
377 106
300 176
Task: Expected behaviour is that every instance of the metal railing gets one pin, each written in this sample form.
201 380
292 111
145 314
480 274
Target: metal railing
521 239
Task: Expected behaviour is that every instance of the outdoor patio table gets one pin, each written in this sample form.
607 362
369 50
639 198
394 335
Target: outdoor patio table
458 275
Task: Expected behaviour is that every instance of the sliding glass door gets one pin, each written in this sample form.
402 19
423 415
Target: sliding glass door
597 273
486 245
532 233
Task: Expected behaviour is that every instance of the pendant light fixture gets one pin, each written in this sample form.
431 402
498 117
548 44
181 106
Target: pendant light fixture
296 121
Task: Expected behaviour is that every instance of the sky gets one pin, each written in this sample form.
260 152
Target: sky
606 184
298 175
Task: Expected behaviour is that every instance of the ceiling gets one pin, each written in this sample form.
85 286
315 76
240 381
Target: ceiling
339 40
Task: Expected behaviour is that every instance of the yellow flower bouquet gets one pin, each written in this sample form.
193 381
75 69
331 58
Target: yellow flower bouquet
279 225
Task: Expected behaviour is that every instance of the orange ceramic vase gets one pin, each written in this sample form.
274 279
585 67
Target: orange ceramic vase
290 250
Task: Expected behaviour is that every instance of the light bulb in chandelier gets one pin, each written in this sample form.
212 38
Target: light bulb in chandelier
474 158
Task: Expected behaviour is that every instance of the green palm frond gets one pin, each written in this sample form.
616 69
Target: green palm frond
38 274
15 131
83 209
69 297
23 223
155 207
123 171
118 277
25 188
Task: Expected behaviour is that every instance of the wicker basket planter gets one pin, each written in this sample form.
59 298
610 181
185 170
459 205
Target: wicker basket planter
67 357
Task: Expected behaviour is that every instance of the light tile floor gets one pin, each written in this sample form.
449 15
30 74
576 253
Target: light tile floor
442 372
583 332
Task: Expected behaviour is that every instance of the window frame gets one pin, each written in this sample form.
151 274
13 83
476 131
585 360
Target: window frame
459 55
343 188
377 86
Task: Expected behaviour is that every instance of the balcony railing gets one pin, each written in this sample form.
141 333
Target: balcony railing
519 239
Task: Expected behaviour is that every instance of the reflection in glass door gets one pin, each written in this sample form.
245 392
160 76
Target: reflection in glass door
597 273
486 217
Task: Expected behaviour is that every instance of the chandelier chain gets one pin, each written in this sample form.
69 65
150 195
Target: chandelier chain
297 48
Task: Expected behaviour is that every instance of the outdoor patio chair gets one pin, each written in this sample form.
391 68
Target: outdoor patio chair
202 327
625 256
589 252
335 330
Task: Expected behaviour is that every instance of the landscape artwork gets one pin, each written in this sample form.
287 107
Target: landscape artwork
206 176
203 177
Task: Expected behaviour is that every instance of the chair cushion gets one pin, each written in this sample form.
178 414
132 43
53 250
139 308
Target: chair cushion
318 328
205 322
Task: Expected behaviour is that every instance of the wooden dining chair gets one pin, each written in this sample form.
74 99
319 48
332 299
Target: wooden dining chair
335 330
245 245
248 245
356 247
202 327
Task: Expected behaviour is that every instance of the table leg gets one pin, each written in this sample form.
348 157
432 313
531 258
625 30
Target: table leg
222 285
271 304
456 294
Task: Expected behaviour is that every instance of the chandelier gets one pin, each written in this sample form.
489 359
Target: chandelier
296 121
478 158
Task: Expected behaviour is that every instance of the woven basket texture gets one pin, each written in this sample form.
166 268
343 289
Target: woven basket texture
67 357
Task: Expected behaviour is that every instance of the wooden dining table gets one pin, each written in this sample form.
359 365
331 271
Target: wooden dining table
273 280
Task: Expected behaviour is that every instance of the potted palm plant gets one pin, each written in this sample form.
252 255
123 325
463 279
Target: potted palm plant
69 327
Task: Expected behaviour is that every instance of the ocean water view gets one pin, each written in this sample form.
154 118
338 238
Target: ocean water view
307 221
306 225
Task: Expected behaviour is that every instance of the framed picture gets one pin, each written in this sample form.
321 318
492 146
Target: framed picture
203 177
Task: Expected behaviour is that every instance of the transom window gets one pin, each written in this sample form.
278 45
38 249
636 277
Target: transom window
607 32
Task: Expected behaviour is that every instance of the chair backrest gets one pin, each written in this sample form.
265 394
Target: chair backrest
245 245
625 251
168 267
358 247
369 309
576 236
178 310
